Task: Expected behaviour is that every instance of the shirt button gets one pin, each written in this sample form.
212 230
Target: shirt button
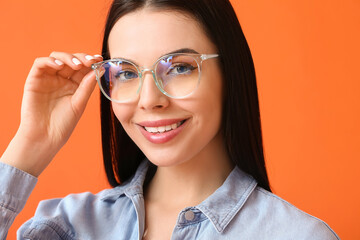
189 215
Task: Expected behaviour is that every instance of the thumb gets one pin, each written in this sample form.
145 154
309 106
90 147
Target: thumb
83 93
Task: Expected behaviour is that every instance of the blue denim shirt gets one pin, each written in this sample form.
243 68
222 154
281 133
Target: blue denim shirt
239 209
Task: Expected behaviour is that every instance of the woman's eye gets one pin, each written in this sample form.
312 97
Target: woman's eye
125 75
182 68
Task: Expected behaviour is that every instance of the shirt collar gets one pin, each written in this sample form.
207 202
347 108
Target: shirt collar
131 187
220 207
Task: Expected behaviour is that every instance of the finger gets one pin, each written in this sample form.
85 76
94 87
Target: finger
71 63
87 61
83 93
43 65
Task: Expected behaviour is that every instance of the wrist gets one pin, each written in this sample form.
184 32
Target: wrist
30 157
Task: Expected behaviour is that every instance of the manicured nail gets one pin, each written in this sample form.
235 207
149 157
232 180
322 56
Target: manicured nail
88 57
76 61
97 55
58 62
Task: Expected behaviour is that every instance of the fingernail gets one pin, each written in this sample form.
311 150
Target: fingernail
58 62
88 57
97 55
76 61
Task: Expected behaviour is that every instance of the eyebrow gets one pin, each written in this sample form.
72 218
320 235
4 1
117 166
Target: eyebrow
181 50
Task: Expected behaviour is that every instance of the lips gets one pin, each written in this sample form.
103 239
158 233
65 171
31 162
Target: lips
163 130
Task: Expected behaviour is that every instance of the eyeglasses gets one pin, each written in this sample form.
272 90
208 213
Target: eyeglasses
176 75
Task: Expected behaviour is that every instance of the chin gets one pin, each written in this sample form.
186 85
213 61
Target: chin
165 160
162 162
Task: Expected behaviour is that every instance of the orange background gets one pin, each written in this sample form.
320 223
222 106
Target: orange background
306 55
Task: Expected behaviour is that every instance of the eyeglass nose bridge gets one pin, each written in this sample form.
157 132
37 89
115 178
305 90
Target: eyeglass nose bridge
142 73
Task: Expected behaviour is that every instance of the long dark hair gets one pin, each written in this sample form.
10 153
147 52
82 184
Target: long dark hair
241 126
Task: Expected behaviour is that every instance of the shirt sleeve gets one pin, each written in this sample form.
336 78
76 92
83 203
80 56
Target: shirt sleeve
15 188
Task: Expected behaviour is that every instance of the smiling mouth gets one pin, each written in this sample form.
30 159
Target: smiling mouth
162 129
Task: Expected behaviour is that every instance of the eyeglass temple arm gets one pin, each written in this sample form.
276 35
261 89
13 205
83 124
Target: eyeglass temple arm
208 56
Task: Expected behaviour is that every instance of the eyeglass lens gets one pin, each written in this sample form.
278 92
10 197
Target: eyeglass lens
176 76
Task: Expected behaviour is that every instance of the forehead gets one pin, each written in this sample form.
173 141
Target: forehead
148 34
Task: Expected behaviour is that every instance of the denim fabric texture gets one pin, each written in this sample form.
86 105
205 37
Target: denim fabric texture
238 209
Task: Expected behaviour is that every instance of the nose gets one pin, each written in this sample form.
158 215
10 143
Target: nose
150 96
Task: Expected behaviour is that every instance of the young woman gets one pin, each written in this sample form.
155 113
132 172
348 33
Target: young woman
181 133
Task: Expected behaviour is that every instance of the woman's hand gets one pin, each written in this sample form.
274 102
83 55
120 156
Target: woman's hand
55 95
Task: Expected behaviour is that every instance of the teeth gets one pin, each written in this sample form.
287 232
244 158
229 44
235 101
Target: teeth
162 129
151 129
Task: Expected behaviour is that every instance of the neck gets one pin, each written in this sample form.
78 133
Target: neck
191 182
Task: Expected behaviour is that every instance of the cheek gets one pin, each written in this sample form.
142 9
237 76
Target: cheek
214 103
123 113
206 105
212 93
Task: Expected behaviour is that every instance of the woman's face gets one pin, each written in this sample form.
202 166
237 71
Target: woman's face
143 37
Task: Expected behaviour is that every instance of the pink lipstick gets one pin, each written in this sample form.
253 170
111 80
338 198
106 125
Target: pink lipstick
161 131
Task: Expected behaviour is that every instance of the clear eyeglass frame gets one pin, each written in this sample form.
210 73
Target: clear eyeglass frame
199 58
